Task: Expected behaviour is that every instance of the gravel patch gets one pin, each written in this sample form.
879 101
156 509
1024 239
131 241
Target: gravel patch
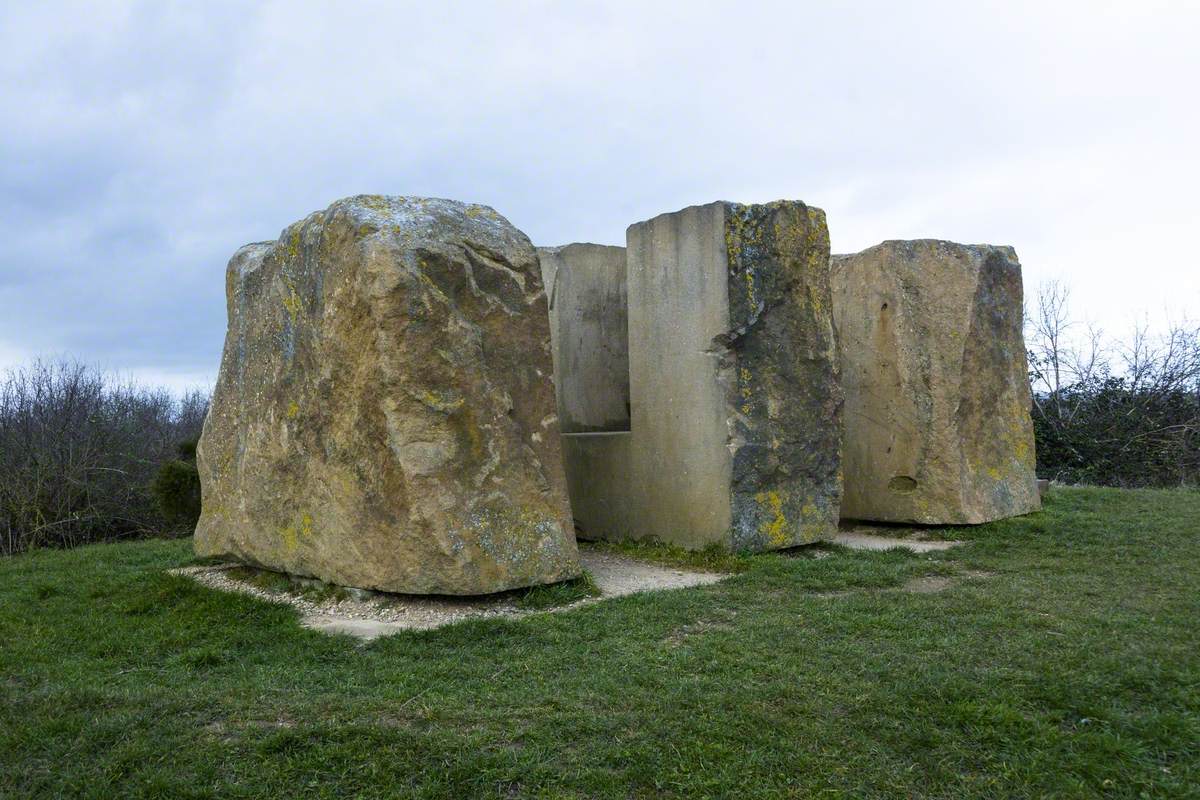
372 615
618 575
861 540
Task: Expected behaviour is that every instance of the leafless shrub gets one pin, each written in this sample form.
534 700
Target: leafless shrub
78 451
1118 414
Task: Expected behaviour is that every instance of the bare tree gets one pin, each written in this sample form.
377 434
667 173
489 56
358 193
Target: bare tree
78 451
1125 414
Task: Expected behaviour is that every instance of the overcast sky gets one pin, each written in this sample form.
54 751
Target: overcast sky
143 143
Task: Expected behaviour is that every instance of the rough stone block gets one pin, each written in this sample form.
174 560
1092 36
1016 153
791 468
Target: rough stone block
938 429
384 416
736 408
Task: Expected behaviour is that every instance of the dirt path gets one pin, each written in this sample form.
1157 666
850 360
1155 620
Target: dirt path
618 575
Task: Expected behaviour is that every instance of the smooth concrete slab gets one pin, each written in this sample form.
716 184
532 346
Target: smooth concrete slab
588 310
599 481
615 575
366 629
618 575
678 306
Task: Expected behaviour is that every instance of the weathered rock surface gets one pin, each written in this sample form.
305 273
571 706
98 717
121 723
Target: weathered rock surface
736 407
938 429
384 416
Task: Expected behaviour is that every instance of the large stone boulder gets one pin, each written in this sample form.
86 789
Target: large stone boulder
736 407
937 395
385 415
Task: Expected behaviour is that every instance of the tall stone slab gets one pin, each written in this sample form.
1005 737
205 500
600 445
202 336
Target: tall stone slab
385 416
736 407
938 427
590 330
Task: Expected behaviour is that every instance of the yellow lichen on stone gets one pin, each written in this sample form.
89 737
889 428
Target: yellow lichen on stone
293 410
775 528
813 526
291 298
293 243
428 283
746 391
439 402
462 421
289 537
376 202
443 402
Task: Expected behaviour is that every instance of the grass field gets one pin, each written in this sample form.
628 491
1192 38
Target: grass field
1071 668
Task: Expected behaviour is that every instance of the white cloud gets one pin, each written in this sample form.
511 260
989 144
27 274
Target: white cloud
145 142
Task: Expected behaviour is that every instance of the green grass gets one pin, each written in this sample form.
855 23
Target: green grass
1072 671
558 594
713 558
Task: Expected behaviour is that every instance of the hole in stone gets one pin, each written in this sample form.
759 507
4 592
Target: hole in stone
902 484
884 307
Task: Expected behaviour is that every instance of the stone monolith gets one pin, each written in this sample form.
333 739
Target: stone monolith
585 284
736 407
589 324
938 428
384 416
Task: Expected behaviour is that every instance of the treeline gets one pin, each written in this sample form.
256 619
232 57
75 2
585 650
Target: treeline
85 457
1124 413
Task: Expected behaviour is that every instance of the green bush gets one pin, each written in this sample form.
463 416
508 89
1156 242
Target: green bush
187 449
176 488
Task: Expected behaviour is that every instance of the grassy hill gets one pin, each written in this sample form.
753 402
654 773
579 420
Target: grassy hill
1060 657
